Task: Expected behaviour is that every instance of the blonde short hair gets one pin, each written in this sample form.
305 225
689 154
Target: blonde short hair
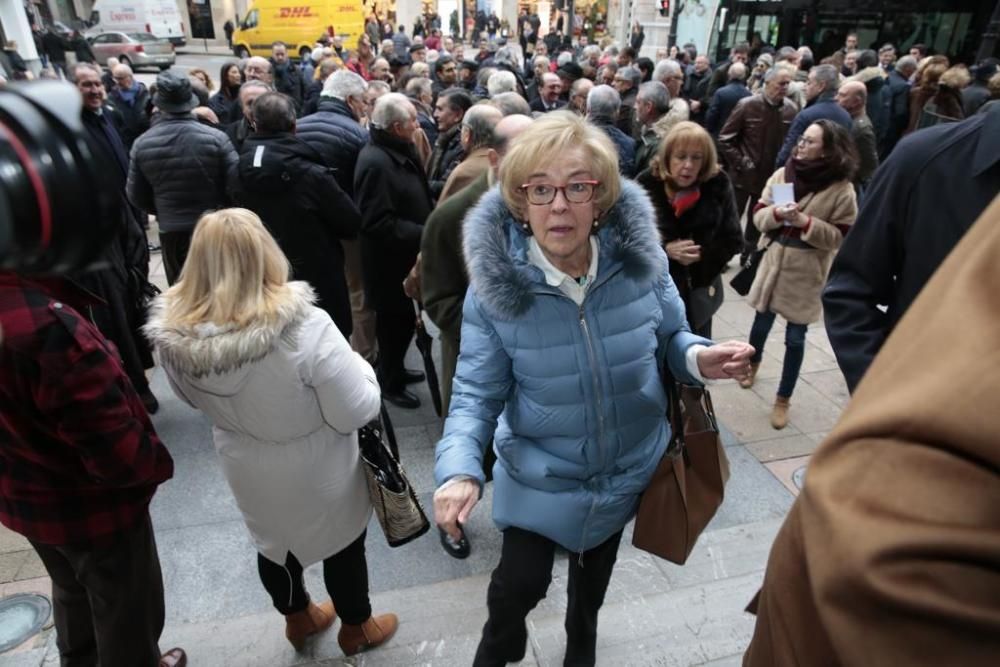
546 141
686 133
956 77
235 273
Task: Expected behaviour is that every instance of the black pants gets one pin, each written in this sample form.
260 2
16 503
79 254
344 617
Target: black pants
520 582
750 232
174 249
395 322
107 601
345 574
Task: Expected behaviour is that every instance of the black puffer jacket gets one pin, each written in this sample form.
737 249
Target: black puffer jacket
712 223
286 183
135 115
335 133
179 169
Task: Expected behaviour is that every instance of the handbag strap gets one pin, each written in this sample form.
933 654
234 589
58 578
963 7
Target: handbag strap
673 407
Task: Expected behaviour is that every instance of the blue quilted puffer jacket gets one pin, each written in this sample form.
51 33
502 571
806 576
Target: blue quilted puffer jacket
572 393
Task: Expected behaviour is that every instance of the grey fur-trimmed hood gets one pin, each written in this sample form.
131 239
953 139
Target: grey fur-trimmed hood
495 248
209 349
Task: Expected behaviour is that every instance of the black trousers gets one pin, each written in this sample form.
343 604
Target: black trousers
520 582
395 322
107 601
750 232
174 249
345 574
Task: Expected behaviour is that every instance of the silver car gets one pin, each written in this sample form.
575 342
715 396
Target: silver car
135 49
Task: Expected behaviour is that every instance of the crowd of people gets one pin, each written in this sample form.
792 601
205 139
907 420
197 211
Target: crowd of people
565 219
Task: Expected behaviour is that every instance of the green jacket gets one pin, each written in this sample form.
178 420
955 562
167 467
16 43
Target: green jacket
443 278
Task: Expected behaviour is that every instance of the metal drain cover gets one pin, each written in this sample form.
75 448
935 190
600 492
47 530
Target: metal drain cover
21 617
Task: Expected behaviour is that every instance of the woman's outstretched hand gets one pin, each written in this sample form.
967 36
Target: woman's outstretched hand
724 361
453 504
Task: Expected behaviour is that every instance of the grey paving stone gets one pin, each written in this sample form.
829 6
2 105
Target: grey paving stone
810 411
33 658
10 564
11 541
31 568
198 492
784 447
752 494
745 412
680 628
831 384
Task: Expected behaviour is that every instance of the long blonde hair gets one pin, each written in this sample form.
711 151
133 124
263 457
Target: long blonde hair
234 274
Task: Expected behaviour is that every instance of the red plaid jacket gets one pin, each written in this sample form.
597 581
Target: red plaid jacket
79 459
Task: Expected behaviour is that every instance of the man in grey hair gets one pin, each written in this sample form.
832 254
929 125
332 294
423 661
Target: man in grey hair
821 91
626 82
603 104
476 138
510 104
335 131
651 107
501 81
242 127
726 98
390 190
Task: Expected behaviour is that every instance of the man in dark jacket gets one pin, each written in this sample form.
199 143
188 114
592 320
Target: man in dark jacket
898 87
123 278
287 76
285 181
750 140
627 81
81 47
131 99
79 464
726 98
602 110
55 49
878 97
334 131
740 53
391 192
449 110
821 89
180 169
976 94
240 128
852 95
921 202
548 94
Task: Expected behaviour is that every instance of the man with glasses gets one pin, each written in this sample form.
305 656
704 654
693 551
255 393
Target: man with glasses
130 99
821 93
626 82
578 95
750 140
259 69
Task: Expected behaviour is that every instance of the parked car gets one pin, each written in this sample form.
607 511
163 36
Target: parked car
135 49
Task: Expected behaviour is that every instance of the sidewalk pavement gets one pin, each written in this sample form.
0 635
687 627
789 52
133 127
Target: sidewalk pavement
656 613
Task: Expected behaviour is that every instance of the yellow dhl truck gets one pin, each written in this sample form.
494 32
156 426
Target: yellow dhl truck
297 23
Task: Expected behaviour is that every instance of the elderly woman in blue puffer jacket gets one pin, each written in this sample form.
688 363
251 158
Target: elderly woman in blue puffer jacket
570 316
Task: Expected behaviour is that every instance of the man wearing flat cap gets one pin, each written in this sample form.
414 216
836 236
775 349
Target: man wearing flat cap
180 168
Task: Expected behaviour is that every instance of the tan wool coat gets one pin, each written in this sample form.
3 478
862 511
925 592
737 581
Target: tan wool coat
789 280
891 554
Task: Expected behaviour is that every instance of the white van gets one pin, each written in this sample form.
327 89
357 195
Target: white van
162 18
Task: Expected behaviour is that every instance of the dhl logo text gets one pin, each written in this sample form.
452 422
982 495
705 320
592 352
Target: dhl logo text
295 12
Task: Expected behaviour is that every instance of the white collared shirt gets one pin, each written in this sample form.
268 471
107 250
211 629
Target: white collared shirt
567 284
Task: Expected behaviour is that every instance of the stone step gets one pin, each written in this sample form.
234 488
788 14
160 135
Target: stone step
654 613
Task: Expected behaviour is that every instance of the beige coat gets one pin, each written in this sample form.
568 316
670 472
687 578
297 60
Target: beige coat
891 555
468 170
790 280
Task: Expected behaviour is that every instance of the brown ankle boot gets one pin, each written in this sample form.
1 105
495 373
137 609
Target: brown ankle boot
747 382
779 414
311 620
376 631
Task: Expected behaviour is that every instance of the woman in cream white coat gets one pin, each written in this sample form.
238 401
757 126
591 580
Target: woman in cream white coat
286 395
801 239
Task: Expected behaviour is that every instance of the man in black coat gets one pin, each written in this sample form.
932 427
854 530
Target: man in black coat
548 94
55 50
123 280
921 202
287 76
285 181
334 131
726 98
390 189
449 110
898 92
131 99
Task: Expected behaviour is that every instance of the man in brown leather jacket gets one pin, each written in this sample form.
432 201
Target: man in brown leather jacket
751 139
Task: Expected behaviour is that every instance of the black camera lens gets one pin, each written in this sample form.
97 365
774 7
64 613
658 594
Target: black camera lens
60 197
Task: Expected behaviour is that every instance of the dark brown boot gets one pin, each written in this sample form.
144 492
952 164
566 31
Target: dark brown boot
311 620
376 631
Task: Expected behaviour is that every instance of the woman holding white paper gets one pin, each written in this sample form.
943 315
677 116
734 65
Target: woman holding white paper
801 237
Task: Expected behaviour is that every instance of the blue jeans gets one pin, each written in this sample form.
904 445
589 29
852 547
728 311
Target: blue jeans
795 349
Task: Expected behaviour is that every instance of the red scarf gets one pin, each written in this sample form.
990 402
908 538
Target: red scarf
685 200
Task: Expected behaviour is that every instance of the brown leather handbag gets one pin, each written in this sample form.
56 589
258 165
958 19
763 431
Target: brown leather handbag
689 483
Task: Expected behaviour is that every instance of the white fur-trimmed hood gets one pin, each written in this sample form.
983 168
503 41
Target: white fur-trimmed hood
208 349
494 247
